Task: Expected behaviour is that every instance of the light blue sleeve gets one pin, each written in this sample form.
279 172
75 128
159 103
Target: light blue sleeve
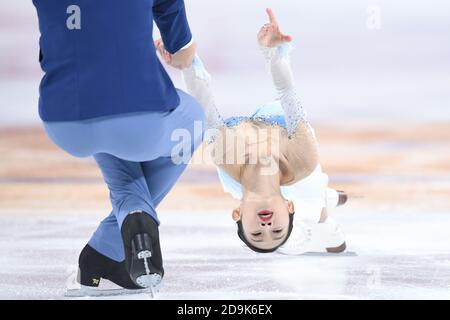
230 185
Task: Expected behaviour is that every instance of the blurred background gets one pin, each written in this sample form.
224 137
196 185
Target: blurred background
373 76
359 60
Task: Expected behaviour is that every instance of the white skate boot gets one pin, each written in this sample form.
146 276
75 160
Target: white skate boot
309 237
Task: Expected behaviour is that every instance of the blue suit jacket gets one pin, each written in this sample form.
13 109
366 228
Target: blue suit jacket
99 59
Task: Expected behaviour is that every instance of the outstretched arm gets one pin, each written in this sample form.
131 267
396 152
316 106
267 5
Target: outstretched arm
198 83
276 48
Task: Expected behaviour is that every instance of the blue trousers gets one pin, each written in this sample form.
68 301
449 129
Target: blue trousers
135 154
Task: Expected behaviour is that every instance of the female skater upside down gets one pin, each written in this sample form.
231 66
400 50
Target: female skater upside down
270 160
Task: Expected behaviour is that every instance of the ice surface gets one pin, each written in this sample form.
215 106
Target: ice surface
345 72
399 255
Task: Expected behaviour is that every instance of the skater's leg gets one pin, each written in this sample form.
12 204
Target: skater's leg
128 193
137 185
161 174
107 239
120 144
127 186
141 186
130 234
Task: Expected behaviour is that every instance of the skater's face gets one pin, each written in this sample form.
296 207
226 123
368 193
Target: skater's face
265 220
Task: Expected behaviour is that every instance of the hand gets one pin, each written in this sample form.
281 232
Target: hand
180 60
270 34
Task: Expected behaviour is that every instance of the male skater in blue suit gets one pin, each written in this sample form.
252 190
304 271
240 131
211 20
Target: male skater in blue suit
105 94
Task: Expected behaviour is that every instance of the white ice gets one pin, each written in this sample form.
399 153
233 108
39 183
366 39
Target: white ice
399 255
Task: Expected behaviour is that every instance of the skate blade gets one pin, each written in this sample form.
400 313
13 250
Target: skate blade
94 292
149 281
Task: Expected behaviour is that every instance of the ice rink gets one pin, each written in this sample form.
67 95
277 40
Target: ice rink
392 255
397 222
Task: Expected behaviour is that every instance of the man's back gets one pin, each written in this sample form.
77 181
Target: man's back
99 58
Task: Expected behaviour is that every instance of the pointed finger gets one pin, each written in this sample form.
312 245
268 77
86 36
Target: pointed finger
271 15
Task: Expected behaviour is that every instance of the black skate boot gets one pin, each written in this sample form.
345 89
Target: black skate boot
94 266
143 259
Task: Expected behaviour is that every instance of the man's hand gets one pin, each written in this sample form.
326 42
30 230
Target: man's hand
270 34
180 60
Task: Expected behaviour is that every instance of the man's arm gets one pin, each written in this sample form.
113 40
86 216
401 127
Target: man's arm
170 17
